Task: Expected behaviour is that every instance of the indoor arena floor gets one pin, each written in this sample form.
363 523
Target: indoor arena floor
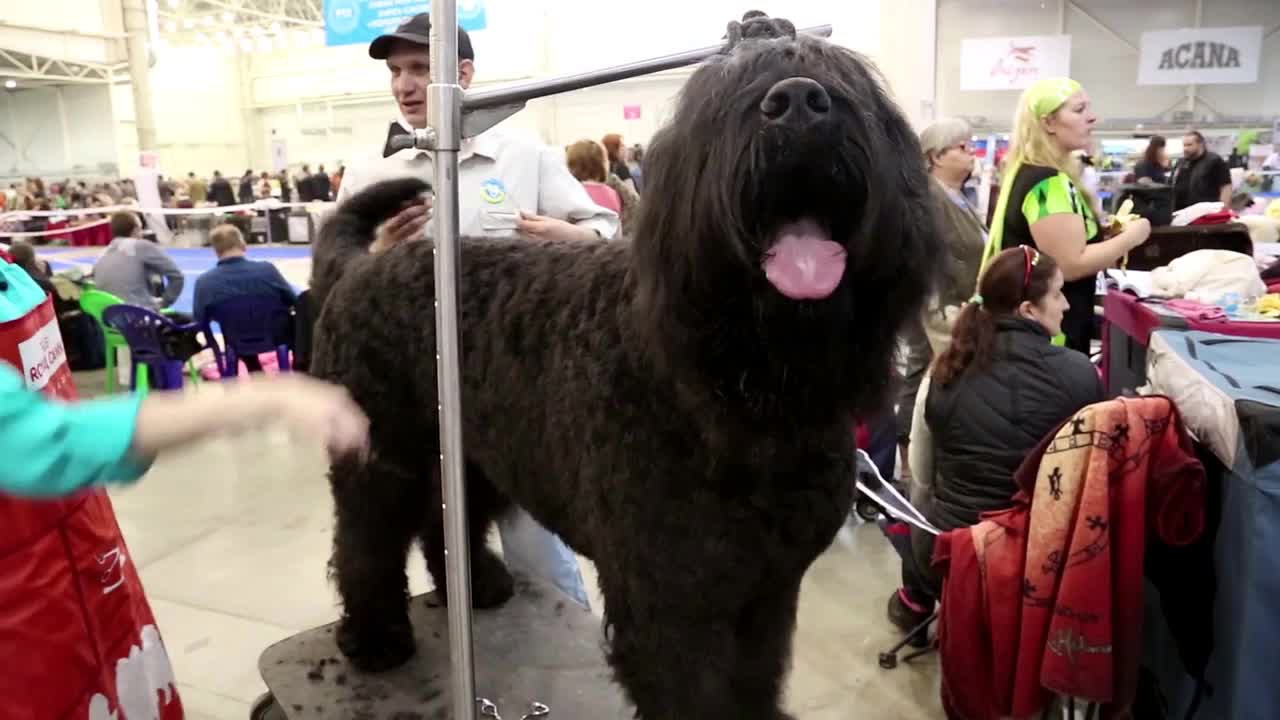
232 538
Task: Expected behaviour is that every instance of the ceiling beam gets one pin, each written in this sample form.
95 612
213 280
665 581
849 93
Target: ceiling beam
245 9
4 25
6 55
89 77
27 66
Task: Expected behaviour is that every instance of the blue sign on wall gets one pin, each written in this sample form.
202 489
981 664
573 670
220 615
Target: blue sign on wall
348 22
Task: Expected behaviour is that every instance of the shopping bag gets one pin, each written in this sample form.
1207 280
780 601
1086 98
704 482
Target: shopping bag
75 626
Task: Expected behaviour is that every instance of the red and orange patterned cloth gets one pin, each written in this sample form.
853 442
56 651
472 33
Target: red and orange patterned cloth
1046 598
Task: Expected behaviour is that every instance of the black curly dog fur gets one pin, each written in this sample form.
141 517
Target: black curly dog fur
657 403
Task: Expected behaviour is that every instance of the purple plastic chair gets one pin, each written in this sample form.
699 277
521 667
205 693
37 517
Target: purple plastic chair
251 325
145 331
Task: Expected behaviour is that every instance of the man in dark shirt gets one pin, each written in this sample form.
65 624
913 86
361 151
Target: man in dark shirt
306 193
245 195
320 185
1201 176
220 190
236 276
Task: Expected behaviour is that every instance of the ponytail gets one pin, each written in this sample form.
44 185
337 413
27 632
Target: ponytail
1013 277
973 340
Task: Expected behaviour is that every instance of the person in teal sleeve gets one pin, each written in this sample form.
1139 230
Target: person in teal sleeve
52 448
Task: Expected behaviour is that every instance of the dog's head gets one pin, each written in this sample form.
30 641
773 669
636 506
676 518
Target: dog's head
789 188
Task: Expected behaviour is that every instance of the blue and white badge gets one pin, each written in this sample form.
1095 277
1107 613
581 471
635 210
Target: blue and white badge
493 191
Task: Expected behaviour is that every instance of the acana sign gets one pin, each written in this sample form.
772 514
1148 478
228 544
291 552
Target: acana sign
1200 55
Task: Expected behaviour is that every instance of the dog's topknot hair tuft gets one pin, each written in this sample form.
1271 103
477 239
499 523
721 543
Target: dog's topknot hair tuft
756 25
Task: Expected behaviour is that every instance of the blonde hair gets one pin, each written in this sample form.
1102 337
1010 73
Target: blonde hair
1031 144
225 238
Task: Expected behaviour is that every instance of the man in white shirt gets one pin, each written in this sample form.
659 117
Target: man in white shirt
505 186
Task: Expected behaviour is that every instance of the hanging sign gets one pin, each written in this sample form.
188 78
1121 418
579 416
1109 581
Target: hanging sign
1013 63
349 22
1201 56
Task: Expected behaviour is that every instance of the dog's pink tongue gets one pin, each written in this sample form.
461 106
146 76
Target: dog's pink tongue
804 263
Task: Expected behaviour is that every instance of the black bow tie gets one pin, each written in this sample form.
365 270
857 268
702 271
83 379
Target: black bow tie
393 132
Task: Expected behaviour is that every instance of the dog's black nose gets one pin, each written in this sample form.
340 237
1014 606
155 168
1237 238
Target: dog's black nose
797 101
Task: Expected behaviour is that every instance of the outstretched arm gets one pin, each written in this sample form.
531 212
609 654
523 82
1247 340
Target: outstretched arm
58 449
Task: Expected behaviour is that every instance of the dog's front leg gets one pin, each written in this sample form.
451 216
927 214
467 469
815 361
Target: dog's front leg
765 630
680 663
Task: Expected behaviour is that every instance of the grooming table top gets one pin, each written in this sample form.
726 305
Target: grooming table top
540 646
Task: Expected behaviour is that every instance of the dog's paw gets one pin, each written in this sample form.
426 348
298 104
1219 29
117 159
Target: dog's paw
376 649
491 582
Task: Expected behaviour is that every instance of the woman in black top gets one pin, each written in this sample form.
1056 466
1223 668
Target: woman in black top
993 394
1154 165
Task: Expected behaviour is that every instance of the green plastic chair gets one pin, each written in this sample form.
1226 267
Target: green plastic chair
93 302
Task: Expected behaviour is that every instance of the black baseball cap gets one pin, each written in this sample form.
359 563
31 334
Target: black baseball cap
417 30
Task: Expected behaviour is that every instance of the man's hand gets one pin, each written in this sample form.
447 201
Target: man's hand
541 227
407 226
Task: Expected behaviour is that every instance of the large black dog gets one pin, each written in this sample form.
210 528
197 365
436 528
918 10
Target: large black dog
678 408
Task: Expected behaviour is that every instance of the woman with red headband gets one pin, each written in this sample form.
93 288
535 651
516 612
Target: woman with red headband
991 396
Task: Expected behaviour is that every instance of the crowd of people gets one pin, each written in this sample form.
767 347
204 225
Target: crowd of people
198 191
34 194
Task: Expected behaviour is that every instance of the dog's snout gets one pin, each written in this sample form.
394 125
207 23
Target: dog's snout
796 101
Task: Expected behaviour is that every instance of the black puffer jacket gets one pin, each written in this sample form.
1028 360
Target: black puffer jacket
985 422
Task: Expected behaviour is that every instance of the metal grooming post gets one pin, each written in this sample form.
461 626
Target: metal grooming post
444 117
446 128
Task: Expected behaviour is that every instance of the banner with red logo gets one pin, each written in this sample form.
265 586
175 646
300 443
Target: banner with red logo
1013 63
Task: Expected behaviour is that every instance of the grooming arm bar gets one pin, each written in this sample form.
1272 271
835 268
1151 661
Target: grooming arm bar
483 109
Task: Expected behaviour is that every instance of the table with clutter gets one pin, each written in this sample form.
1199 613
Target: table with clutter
1130 321
1211 648
1210 275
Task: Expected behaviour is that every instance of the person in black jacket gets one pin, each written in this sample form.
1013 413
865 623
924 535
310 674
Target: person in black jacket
997 390
246 188
321 185
220 190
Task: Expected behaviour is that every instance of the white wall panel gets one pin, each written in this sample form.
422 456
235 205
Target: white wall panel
32 138
1105 64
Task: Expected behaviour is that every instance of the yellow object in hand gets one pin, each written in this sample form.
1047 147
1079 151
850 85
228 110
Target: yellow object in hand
1269 305
1125 215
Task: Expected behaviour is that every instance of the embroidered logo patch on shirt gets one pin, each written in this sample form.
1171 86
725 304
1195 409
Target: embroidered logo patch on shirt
493 191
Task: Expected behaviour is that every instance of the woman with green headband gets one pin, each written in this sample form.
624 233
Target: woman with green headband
1043 203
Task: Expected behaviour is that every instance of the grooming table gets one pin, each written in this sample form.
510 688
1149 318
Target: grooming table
540 646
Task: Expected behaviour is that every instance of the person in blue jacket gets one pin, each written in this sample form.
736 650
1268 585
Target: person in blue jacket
53 448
